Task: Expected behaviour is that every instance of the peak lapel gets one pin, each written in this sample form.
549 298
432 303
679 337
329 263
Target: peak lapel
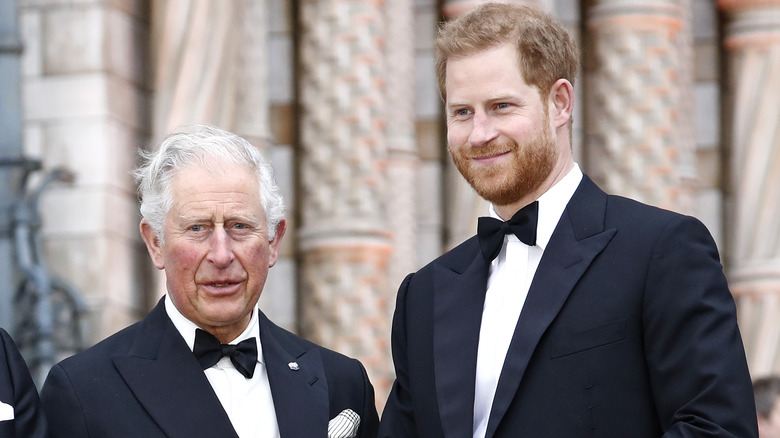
167 380
298 384
457 302
578 238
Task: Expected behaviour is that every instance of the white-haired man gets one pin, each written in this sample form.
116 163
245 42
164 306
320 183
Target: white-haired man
206 362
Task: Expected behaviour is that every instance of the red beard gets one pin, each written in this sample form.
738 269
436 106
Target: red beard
506 183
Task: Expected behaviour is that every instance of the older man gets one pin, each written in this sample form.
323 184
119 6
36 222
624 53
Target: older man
206 362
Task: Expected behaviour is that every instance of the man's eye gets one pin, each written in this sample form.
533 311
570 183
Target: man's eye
196 228
462 112
502 105
240 226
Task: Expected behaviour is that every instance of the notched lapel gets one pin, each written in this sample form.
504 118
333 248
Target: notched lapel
298 384
167 380
571 250
457 302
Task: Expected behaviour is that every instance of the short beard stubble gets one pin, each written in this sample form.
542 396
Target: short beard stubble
507 183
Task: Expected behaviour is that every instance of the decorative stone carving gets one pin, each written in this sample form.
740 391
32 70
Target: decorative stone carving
636 145
344 239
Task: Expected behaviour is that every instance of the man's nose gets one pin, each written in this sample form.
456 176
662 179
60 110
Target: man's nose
221 253
483 129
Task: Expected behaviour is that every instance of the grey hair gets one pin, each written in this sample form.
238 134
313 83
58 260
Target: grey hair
202 145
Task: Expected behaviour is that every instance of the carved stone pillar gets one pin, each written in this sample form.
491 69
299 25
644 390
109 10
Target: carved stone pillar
637 138
250 88
344 240
403 160
753 43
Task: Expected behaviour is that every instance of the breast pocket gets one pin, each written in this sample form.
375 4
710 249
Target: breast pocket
588 339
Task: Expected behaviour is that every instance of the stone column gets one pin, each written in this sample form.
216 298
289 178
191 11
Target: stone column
637 143
210 67
403 158
344 240
251 119
753 43
194 49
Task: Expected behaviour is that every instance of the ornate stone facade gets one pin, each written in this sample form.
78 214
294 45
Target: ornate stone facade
635 144
344 238
341 95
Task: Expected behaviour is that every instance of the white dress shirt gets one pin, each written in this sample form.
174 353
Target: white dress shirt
248 402
508 283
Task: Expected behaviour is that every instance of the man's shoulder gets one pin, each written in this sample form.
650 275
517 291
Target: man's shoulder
287 338
6 342
457 258
97 355
633 213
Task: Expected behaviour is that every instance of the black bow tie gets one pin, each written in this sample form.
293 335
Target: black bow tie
208 350
491 231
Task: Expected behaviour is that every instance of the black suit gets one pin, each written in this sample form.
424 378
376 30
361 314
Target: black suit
18 390
145 382
628 330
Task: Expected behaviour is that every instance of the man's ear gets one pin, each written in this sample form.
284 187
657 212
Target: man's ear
276 242
152 244
561 102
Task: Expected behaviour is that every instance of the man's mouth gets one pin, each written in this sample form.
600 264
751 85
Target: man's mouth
491 155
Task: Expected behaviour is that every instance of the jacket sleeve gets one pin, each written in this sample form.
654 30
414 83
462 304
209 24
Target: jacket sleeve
62 406
29 420
370 422
693 347
398 415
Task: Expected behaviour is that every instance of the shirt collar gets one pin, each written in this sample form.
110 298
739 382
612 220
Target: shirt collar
186 328
551 205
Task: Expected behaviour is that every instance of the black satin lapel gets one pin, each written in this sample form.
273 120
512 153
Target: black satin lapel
166 379
298 383
457 302
563 263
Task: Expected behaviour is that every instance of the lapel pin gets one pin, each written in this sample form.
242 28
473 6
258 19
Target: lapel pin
293 366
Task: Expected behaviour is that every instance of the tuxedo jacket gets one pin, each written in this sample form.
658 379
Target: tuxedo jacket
18 395
145 382
628 330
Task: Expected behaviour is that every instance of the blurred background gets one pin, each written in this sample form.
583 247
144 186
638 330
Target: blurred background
678 105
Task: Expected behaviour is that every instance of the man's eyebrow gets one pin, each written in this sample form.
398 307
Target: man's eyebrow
192 218
238 217
243 218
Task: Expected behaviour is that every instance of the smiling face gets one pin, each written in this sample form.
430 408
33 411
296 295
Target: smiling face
499 130
217 253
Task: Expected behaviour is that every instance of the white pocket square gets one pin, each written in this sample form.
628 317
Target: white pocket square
345 425
6 412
